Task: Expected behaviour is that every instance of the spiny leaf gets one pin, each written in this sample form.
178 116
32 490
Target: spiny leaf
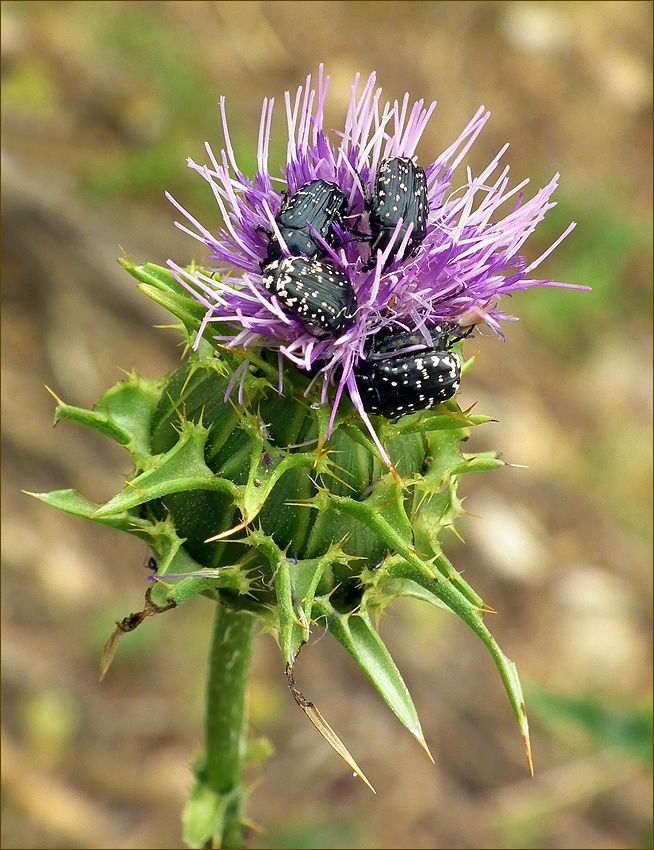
152 274
423 423
123 414
189 311
293 623
182 468
70 502
472 617
357 635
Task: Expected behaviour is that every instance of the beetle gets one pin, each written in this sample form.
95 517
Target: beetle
402 373
318 294
312 209
400 192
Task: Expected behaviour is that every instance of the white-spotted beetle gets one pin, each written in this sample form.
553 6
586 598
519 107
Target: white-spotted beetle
312 209
318 294
400 192
402 373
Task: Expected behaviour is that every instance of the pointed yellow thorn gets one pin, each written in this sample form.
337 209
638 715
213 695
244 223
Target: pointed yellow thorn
470 513
253 826
53 394
423 744
134 486
229 531
186 380
530 761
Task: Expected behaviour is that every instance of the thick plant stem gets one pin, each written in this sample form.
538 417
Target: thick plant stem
229 665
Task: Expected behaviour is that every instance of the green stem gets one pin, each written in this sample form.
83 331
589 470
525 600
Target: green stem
226 718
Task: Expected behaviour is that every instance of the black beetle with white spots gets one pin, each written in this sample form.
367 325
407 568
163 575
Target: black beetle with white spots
316 293
400 193
312 209
402 373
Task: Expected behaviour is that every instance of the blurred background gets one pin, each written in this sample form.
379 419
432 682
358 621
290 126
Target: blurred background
102 102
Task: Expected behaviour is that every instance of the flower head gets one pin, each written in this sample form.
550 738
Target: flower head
469 255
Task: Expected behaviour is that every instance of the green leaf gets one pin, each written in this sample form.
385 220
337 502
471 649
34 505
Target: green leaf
289 612
357 635
182 468
188 310
130 405
406 587
70 502
156 276
123 414
480 462
423 423
470 615
203 819
159 284
93 421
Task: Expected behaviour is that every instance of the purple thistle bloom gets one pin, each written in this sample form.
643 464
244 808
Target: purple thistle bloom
470 256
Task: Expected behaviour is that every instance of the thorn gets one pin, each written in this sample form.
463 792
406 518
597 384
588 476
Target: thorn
253 826
470 513
530 761
421 740
421 502
340 480
453 530
53 394
134 486
229 531
188 377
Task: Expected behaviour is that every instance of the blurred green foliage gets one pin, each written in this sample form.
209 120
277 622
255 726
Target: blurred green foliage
625 729
301 835
608 251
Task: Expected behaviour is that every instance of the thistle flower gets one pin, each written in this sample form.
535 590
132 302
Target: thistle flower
244 503
469 257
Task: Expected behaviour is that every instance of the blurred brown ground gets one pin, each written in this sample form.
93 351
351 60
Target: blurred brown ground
101 103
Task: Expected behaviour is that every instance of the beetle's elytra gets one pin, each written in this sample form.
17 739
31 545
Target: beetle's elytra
312 209
318 294
400 192
403 374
